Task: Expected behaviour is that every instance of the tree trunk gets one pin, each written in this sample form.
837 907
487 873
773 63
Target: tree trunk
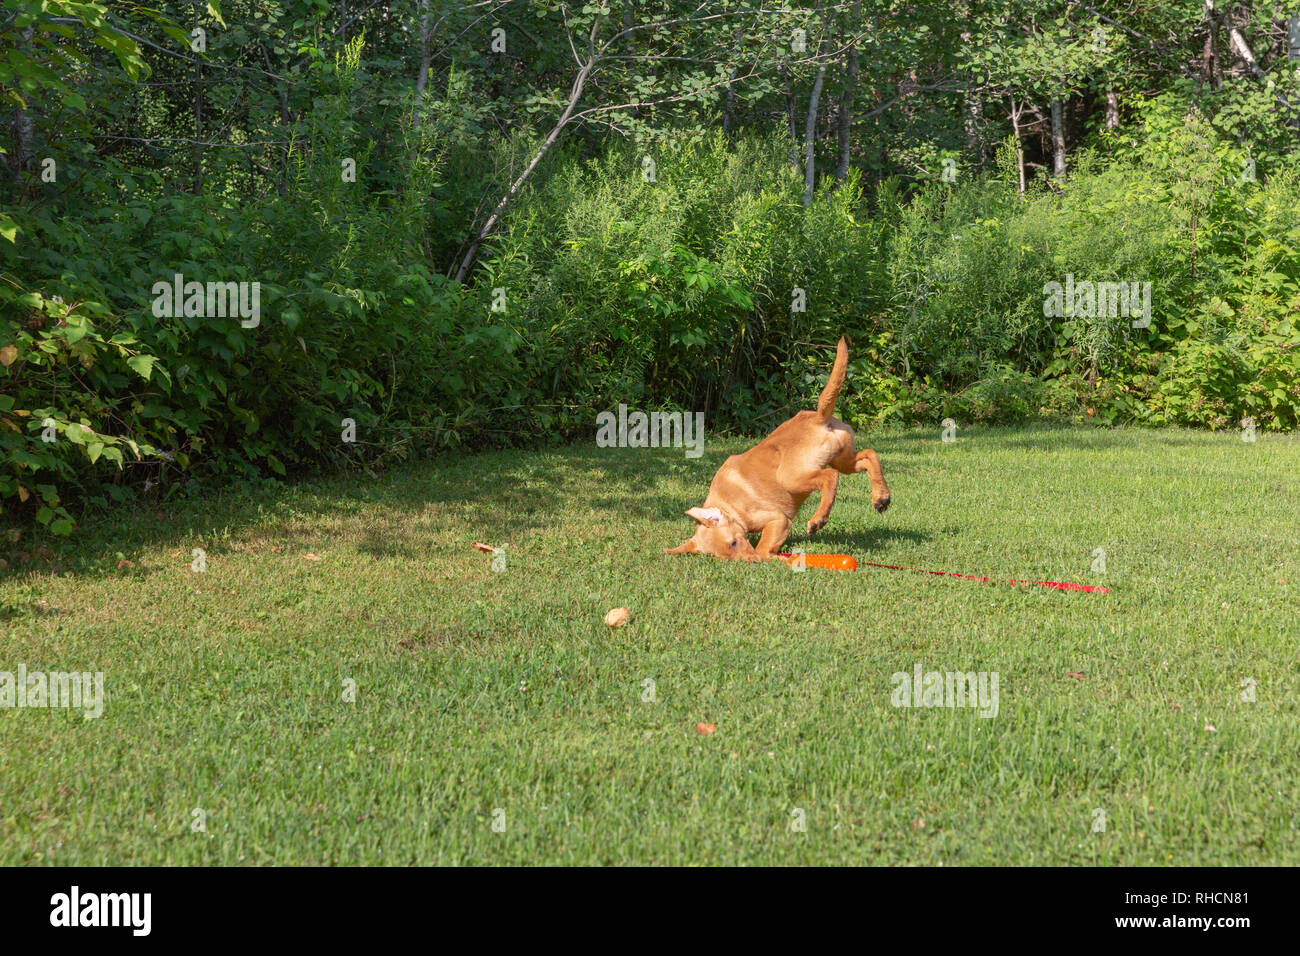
1209 52
810 123
422 77
1058 139
1293 51
575 94
24 128
198 117
286 119
974 119
847 98
1020 146
974 101
794 127
810 138
1242 49
1238 44
1209 47
1112 110
282 91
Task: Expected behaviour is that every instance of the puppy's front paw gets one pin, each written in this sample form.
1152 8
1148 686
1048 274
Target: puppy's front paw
815 526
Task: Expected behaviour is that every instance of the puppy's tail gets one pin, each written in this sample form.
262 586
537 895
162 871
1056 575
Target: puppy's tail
826 403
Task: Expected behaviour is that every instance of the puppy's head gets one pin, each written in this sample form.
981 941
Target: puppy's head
717 534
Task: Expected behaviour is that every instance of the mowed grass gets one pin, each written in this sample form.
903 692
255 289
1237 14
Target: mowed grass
480 691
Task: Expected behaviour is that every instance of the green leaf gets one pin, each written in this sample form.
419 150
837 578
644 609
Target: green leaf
143 364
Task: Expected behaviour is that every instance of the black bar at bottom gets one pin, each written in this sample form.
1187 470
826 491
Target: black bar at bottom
333 906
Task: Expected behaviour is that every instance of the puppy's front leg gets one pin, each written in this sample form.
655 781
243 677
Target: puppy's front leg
774 535
825 481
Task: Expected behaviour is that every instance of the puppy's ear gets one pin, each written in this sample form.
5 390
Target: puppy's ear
709 516
686 547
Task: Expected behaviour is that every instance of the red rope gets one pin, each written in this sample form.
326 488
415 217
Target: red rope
1059 585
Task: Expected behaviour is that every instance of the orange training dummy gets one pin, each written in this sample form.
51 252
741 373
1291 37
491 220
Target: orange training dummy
832 562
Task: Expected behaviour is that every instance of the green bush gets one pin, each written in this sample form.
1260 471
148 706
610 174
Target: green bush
104 398
707 286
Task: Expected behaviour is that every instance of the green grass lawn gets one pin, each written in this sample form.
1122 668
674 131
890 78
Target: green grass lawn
478 689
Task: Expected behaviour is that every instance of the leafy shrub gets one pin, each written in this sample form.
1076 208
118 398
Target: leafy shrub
104 398
708 286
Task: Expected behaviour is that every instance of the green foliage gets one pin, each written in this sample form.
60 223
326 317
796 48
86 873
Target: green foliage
701 287
646 257
106 394
969 266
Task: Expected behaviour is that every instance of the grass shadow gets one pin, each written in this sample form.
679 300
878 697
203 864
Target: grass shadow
869 539
496 495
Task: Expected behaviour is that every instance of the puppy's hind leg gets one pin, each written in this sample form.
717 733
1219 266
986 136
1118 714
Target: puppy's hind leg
868 461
